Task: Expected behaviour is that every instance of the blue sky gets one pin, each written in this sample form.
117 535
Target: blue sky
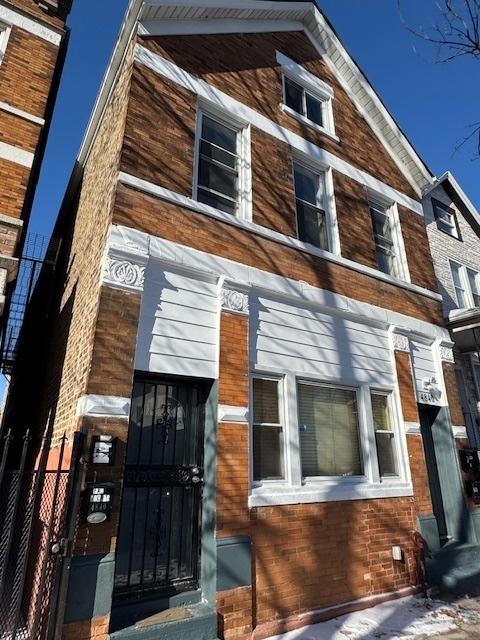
433 103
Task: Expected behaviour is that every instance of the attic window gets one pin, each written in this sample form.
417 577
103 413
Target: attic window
446 218
306 97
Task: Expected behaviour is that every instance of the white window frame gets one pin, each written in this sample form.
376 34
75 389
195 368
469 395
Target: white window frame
315 87
333 236
297 489
391 209
244 209
465 282
5 30
451 223
475 364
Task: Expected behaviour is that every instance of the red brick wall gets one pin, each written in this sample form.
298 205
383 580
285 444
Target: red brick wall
134 209
244 66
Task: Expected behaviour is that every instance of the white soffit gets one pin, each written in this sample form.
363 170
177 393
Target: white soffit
221 16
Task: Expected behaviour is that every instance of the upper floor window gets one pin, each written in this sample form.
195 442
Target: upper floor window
4 35
222 165
384 433
310 205
306 97
386 249
446 219
466 282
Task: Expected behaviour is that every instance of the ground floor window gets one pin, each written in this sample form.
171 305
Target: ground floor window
309 434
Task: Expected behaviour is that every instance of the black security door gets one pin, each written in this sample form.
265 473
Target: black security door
158 545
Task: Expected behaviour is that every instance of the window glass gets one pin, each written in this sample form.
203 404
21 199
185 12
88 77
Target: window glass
445 220
294 96
329 431
314 109
267 431
218 166
311 216
474 282
384 244
384 434
459 285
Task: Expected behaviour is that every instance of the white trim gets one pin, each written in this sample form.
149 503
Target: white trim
5 31
8 108
133 242
20 20
313 125
327 492
186 27
459 432
14 154
234 415
306 79
102 405
242 128
274 236
447 176
11 222
213 95
413 428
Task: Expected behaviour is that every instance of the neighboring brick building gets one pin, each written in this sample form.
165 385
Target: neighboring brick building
33 43
453 226
245 301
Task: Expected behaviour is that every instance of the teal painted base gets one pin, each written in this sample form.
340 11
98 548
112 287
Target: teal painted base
90 587
201 626
455 569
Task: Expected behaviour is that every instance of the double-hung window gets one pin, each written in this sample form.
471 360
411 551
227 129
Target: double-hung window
329 431
384 433
310 204
4 35
386 246
446 219
466 283
268 442
306 97
222 165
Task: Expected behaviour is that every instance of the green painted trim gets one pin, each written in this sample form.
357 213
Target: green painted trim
428 527
208 558
234 562
90 587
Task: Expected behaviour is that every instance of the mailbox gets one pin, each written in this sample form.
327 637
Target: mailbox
103 450
469 460
98 500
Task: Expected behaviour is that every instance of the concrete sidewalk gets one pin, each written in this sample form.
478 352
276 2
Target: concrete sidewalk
412 618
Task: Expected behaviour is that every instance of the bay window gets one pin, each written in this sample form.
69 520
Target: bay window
316 441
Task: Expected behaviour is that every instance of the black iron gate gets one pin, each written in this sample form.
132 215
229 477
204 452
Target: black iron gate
35 520
158 545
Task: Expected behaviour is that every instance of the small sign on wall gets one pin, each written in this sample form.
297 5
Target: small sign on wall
98 500
103 450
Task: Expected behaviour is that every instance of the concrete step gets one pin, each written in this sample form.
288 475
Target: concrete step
191 622
455 569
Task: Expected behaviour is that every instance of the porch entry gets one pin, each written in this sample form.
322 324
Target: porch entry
158 549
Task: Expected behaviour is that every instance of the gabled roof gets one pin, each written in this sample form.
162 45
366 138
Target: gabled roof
223 16
459 197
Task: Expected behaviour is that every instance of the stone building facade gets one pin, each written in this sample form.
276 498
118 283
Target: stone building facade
243 326
456 259
33 42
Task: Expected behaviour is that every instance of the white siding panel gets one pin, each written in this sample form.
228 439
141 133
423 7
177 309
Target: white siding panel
311 343
423 364
178 328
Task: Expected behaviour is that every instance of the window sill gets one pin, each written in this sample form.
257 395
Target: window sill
274 236
308 122
328 492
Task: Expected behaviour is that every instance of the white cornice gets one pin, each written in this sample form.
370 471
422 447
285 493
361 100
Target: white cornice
20 20
189 203
134 243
